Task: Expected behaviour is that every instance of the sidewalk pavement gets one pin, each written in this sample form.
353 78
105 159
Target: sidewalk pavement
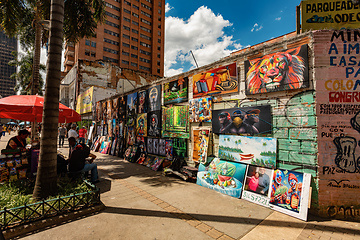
143 204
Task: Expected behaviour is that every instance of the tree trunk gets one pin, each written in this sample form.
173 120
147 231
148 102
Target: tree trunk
46 179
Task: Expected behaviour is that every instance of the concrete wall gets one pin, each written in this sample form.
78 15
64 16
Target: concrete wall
337 96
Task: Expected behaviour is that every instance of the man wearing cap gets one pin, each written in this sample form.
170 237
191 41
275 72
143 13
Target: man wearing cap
19 141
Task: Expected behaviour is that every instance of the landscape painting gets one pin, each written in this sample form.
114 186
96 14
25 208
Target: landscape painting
259 151
221 80
176 91
222 176
175 122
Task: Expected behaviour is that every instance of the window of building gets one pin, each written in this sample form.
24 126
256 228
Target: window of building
159 26
159 40
145 29
110 59
134 64
126 36
93 54
158 55
134 55
135 15
112 24
111 41
145 60
125 62
145 52
125 53
127 11
126 19
158 63
145 21
158 71
158 48
112 15
112 6
87 42
145 44
146 6
127 3
146 14
125 44
126 28
136 7
145 37
134 47
111 50
159 33
87 53
135 31
150 1
134 39
160 4
159 11
144 68
135 23
93 44
111 33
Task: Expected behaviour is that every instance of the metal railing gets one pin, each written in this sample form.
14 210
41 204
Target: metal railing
48 208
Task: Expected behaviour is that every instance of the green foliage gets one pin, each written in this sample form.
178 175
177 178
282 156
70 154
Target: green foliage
230 149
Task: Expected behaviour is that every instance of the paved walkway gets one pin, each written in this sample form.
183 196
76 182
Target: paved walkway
143 204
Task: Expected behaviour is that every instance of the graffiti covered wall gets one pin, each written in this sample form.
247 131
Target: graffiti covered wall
338 106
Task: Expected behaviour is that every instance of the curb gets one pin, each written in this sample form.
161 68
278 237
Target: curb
57 220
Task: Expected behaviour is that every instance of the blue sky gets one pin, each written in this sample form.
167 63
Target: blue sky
213 29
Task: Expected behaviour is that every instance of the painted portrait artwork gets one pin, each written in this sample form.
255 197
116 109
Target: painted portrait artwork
154 98
259 151
221 80
250 120
141 125
175 122
289 192
200 110
142 102
200 143
222 176
176 91
154 124
278 71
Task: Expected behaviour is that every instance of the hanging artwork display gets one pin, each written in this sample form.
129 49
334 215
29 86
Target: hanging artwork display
251 120
200 110
175 122
290 192
122 108
131 104
115 108
179 147
142 102
155 148
222 80
141 125
176 91
259 151
257 185
168 149
162 147
278 71
104 110
222 176
154 124
130 140
149 146
98 112
109 109
200 142
154 95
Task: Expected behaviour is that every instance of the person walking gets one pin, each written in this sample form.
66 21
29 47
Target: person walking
72 132
4 130
82 135
62 133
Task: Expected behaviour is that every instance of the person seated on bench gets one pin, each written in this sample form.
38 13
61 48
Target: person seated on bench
77 160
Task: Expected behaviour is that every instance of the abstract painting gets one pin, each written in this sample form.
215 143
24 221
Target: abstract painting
157 163
222 176
290 193
162 151
150 146
179 147
169 149
200 110
154 124
175 122
259 151
251 120
278 71
154 96
141 125
200 142
222 80
155 149
176 91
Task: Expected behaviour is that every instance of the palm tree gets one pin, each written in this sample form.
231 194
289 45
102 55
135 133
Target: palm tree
264 145
23 77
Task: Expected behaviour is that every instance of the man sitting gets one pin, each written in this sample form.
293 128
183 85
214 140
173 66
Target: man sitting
77 160
19 141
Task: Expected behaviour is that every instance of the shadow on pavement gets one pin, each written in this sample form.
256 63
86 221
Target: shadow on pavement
104 185
230 219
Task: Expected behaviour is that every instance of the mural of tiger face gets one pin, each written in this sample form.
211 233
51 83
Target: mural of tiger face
275 72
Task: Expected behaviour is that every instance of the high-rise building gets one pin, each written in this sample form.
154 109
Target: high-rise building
7 45
132 36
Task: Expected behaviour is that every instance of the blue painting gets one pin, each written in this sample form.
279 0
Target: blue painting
222 176
259 151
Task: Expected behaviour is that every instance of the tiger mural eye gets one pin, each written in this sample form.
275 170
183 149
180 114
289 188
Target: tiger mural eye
277 71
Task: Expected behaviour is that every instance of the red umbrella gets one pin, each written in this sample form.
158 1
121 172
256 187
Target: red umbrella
30 108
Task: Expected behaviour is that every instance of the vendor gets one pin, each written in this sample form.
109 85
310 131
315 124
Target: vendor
19 141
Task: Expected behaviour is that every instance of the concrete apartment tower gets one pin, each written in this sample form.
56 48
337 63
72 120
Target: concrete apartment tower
7 45
132 37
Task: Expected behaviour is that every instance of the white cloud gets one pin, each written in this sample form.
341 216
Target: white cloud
278 18
256 27
168 7
202 33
